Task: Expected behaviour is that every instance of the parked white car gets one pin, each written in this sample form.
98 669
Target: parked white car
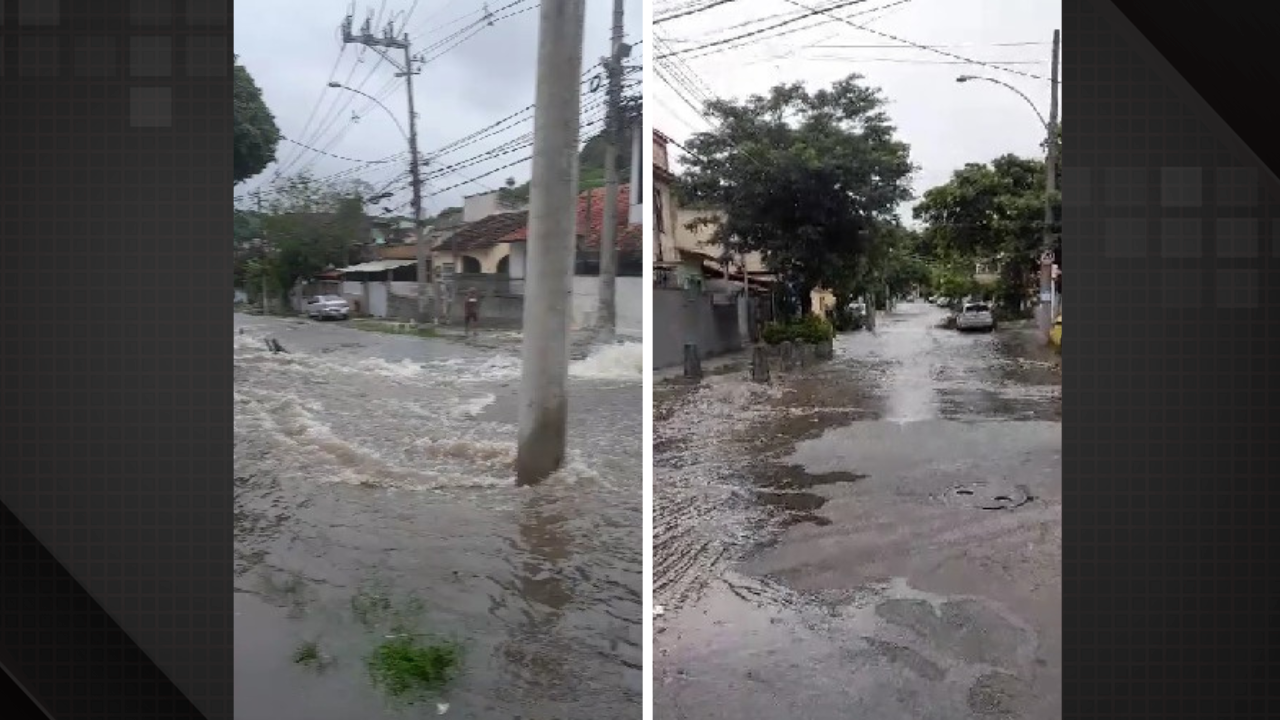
326 307
975 316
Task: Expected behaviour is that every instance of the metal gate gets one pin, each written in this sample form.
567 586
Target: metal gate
378 299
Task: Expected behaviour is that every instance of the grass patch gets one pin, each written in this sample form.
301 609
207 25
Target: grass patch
406 666
394 328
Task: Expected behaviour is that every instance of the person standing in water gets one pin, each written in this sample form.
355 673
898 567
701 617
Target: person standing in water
471 315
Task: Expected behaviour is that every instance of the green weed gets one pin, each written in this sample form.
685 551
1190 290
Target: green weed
405 665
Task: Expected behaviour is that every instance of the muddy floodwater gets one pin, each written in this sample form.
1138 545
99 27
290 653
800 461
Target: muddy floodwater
375 497
877 536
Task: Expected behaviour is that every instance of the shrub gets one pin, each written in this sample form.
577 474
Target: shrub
811 329
777 333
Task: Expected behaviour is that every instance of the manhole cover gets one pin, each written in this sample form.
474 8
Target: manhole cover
990 497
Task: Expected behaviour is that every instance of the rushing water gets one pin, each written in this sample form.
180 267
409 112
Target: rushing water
381 466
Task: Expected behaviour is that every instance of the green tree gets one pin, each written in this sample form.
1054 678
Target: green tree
802 177
988 211
309 226
255 133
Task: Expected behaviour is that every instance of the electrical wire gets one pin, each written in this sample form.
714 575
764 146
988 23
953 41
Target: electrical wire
335 157
739 41
716 43
693 11
945 53
315 107
389 86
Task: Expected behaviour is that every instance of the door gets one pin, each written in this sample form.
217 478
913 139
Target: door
378 299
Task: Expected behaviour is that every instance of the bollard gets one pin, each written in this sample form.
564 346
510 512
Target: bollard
825 350
786 355
807 352
692 363
759 364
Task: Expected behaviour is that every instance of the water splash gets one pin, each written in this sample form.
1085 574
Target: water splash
622 361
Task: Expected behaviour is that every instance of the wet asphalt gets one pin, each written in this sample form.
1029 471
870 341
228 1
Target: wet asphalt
375 496
878 536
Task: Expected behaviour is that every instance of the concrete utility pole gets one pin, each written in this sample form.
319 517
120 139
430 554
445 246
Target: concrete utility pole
389 41
1044 316
608 319
544 410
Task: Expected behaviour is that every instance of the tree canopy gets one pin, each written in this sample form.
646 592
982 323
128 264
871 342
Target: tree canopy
308 225
989 209
805 178
256 135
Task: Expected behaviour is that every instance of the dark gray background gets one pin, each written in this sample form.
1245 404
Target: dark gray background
116 374
115 190
1170 247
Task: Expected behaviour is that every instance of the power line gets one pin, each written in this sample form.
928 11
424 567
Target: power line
945 53
694 11
738 41
918 61
753 33
336 157
320 98
940 47
390 85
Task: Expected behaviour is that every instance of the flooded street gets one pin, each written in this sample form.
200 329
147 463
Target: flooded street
375 499
878 536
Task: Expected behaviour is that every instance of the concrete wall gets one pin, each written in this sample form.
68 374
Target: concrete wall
482 205
496 311
515 268
716 326
489 258
628 303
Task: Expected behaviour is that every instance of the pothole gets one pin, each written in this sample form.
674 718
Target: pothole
986 496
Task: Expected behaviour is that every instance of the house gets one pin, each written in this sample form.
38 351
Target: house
482 205
479 247
628 289
684 255
987 272
590 227
667 260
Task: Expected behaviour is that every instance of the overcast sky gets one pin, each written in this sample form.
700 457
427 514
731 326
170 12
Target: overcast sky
475 75
947 124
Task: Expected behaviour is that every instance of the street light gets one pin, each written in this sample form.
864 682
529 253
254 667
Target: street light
1043 123
399 127
1047 300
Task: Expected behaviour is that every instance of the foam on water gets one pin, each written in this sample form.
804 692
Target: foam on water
623 361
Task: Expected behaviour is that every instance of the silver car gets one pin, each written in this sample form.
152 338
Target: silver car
975 316
328 307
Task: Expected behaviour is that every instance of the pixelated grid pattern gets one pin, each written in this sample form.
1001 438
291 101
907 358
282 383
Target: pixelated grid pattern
1165 234
115 180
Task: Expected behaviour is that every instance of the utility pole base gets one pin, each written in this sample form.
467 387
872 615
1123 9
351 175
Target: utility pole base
541 452
692 362
759 365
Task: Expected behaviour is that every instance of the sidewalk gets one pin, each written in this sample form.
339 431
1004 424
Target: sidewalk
718 365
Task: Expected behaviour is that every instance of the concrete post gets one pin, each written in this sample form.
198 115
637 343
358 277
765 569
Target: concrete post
544 411
759 364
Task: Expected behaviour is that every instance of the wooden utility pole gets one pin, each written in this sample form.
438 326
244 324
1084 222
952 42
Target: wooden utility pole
544 409
379 43
608 314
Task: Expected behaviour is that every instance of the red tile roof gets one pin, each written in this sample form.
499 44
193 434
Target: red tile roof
630 237
484 233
